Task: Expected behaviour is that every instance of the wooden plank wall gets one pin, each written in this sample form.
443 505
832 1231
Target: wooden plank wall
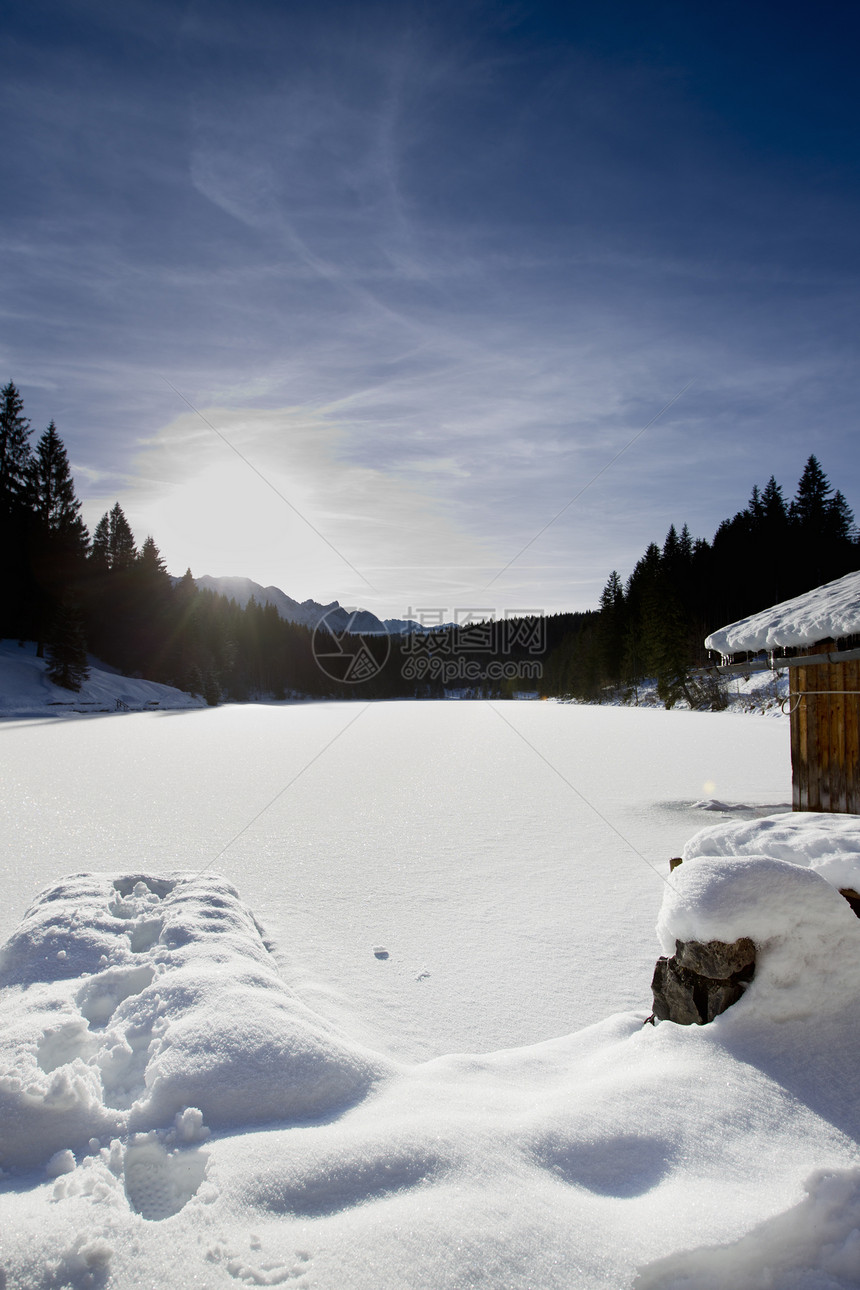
825 737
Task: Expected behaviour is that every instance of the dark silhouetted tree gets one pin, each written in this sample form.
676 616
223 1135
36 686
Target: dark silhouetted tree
121 548
14 447
67 650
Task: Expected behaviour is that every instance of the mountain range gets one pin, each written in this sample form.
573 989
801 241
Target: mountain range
309 612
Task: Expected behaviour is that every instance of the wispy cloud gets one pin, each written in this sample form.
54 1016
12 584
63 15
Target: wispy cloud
434 267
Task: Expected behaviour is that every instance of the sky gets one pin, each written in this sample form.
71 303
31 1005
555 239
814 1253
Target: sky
355 299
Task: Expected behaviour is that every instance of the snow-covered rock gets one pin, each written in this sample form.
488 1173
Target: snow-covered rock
806 936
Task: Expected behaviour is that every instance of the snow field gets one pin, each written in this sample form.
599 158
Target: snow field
480 853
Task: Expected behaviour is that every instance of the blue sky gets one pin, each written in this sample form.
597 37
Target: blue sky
428 268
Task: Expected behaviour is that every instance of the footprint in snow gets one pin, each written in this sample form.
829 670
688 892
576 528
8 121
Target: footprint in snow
380 952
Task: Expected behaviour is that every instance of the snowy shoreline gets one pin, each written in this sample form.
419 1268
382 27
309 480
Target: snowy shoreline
761 694
27 691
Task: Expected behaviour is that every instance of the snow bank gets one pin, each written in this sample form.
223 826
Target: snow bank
825 613
128 999
812 1246
829 844
27 691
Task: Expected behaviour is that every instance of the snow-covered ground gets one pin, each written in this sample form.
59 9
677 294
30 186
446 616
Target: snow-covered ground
26 690
436 830
397 1041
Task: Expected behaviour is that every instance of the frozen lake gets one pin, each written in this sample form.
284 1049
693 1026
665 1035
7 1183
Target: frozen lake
498 853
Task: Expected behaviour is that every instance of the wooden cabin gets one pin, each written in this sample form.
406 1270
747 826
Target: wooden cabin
815 636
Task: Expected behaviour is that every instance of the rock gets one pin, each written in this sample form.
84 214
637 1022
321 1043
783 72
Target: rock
674 862
853 898
673 987
701 980
716 958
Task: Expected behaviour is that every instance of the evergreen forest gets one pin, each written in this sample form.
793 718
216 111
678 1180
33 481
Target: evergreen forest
76 594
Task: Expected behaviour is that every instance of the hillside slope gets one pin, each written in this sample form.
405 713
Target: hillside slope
27 691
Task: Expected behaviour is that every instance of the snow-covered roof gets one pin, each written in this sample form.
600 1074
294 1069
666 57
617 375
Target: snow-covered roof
825 613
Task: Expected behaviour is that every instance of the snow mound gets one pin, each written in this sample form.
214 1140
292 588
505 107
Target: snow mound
829 844
813 1246
129 999
825 613
807 938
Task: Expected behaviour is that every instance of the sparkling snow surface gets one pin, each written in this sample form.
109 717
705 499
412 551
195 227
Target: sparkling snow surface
248 1078
509 908
825 613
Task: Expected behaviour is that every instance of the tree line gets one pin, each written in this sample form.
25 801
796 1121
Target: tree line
654 625
73 593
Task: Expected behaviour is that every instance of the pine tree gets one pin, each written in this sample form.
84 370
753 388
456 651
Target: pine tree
14 449
122 551
100 552
113 542
150 563
810 501
755 506
669 646
212 689
774 509
840 519
109 592
17 612
671 553
821 526
611 629
186 643
150 603
56 536
772 551
67 649
51 489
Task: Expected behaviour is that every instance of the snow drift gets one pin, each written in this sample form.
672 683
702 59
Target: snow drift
130 998
156 1069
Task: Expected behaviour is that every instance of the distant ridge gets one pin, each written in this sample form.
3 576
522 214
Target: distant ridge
308 612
